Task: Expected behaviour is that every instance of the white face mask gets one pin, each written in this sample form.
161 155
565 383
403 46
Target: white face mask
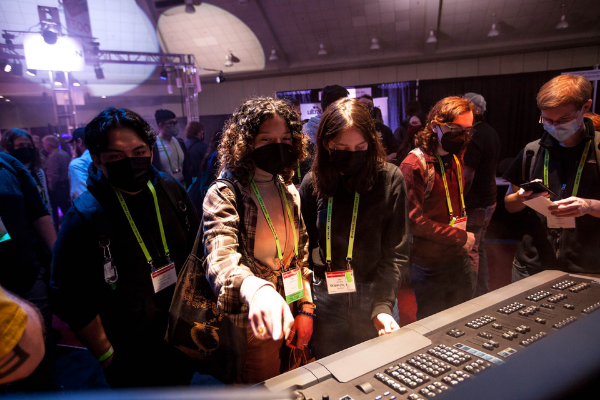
564 131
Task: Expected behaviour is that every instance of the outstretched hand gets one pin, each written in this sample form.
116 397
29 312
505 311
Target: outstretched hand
270 317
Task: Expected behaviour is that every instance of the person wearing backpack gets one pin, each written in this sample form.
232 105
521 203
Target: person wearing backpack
567 160
441 274
119 252
256 260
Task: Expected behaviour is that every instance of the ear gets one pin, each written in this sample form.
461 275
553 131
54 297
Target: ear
587 106
96 160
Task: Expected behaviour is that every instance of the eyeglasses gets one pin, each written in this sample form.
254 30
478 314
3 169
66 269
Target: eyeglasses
457 129
560 121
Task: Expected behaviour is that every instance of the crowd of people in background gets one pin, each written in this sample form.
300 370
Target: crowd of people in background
306 228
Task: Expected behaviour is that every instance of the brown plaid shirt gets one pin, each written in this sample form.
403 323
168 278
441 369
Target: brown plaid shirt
228 262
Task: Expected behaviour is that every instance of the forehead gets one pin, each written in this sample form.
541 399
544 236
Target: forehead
564 110
464 119
21 139
124 139
275 124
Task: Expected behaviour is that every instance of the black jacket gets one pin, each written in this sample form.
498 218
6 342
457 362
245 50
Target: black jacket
133 316
186 167
381 243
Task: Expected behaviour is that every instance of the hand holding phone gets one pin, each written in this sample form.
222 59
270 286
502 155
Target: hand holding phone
536 186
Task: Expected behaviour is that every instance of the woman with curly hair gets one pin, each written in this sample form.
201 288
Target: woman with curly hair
256 259
441 273
354 205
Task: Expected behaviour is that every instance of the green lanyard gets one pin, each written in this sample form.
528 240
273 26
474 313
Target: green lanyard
579 168
460 187
167 153
135 230
352 230
270 223
299 173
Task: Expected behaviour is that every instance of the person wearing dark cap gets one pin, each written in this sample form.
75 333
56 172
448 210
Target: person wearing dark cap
330 95
170 153
78 167
481 159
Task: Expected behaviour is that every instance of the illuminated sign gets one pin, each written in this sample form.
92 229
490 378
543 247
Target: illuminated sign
65 55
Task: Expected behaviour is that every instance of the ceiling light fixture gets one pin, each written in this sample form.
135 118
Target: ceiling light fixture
169 85
494 31
59 78
431 38
103 97
220 78
189 7
163 74
99 72
375 44
273 56
178 81
50 35
74 82
322 50
31 72
563 24
5 65
8 39
228 62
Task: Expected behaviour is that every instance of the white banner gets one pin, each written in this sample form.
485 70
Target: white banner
65 55
382 104
591 74
310 110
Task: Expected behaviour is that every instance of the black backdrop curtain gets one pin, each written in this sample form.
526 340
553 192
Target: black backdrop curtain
511 105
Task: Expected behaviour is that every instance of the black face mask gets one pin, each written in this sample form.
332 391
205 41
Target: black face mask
452 143
348 162
24 154
129 174
273 157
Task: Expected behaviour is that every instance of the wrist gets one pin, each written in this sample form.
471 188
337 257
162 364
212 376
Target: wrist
108 354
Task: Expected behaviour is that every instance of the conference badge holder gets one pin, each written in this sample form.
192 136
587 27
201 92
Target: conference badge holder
111 276
164 277
460 223
292 284
340 281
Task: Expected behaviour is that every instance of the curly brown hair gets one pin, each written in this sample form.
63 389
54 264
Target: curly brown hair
445 111
344 114
240 130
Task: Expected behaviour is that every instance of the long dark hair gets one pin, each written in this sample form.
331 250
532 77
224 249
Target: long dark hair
344 114
240 130
445 111
8 142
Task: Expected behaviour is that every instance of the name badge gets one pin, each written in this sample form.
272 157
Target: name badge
164 277
292 285
460 223
3 232
340 282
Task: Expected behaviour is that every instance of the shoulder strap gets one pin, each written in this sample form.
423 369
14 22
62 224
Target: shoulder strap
529 157
427 169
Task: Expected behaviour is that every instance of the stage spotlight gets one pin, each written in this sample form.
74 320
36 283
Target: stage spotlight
31 72
164 74
49 36
17 69
220 77
99 72
8 39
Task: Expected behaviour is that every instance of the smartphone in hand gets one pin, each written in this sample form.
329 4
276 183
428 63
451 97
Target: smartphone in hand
536 186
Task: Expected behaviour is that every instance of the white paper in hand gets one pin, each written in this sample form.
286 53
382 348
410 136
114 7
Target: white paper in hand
541 204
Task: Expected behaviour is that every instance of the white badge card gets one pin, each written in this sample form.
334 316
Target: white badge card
292 285
164 277
461 223
340 282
